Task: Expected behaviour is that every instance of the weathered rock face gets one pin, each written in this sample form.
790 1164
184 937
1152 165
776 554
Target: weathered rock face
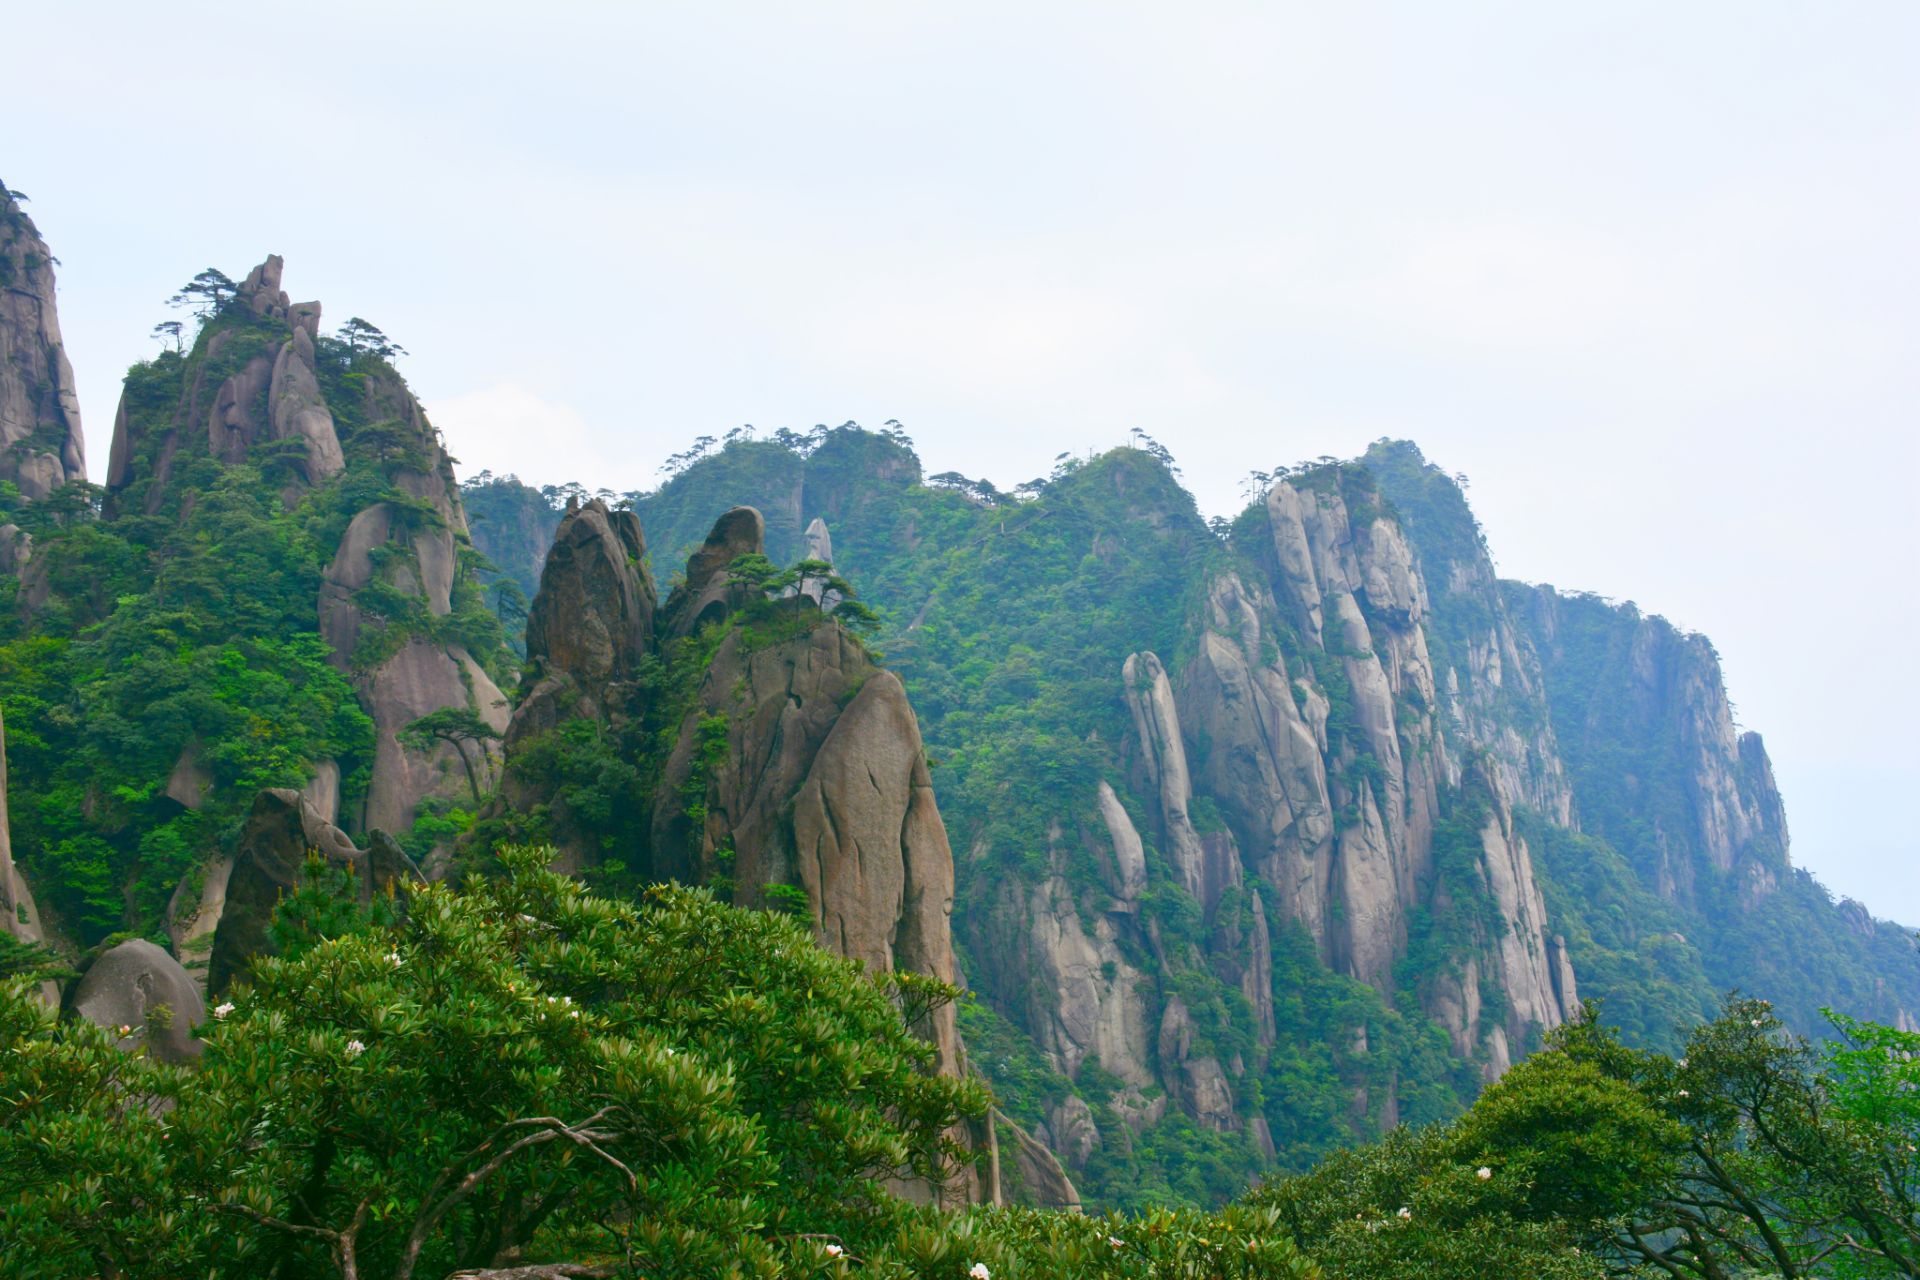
591 624
1297 771
402 675
1330 804
140 992
41 446
590 628
1713 797
704 594
807 760
193 915
16 549
18 915
269 861
1042 1183
823 786
251 383
800 757
251 391
297 411
593 617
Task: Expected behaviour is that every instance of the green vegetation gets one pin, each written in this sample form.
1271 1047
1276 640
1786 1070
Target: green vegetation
523 1072
162 661
1751 1155
1698 927
1009 617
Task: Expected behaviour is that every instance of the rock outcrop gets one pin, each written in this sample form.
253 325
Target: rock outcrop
1660 691
194 913
820 785
19 916
1041 1182
588 632
591 624
16 549
41 445
249 384
269 862
796 776
251 390
705 594
1298 771
141 994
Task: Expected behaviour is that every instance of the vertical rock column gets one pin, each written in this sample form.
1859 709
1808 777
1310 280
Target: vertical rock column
41 446
19 917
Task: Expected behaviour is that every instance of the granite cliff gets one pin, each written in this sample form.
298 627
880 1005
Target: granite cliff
41 445
1274 833
767 754
274 590
252 394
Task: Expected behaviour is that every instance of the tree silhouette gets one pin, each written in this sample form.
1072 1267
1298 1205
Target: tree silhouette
457 727
206 294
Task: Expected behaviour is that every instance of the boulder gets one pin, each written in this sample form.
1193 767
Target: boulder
141 993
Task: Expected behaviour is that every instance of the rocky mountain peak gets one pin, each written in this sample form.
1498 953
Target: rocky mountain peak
703 593
593 616
41 443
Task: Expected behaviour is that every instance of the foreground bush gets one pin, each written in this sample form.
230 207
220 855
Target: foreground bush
522 1072
1752 1154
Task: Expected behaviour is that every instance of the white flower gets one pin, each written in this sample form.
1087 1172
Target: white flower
222 1009
1405 1214
1483 1173
1685 1094
393 958
1116 1242
355 1048
979 1271
573 1013
125 1030
834 1251
1756 1022
1683 1064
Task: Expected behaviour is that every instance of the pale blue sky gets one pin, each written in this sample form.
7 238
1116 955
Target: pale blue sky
1646 272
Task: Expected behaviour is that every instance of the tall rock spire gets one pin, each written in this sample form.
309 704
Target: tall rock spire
41 447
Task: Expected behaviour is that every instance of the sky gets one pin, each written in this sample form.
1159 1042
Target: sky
1647 274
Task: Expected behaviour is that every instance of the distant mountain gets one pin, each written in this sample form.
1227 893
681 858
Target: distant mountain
1274 834
1252 838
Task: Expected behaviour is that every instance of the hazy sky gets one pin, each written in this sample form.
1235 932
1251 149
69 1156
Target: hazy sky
1646 272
